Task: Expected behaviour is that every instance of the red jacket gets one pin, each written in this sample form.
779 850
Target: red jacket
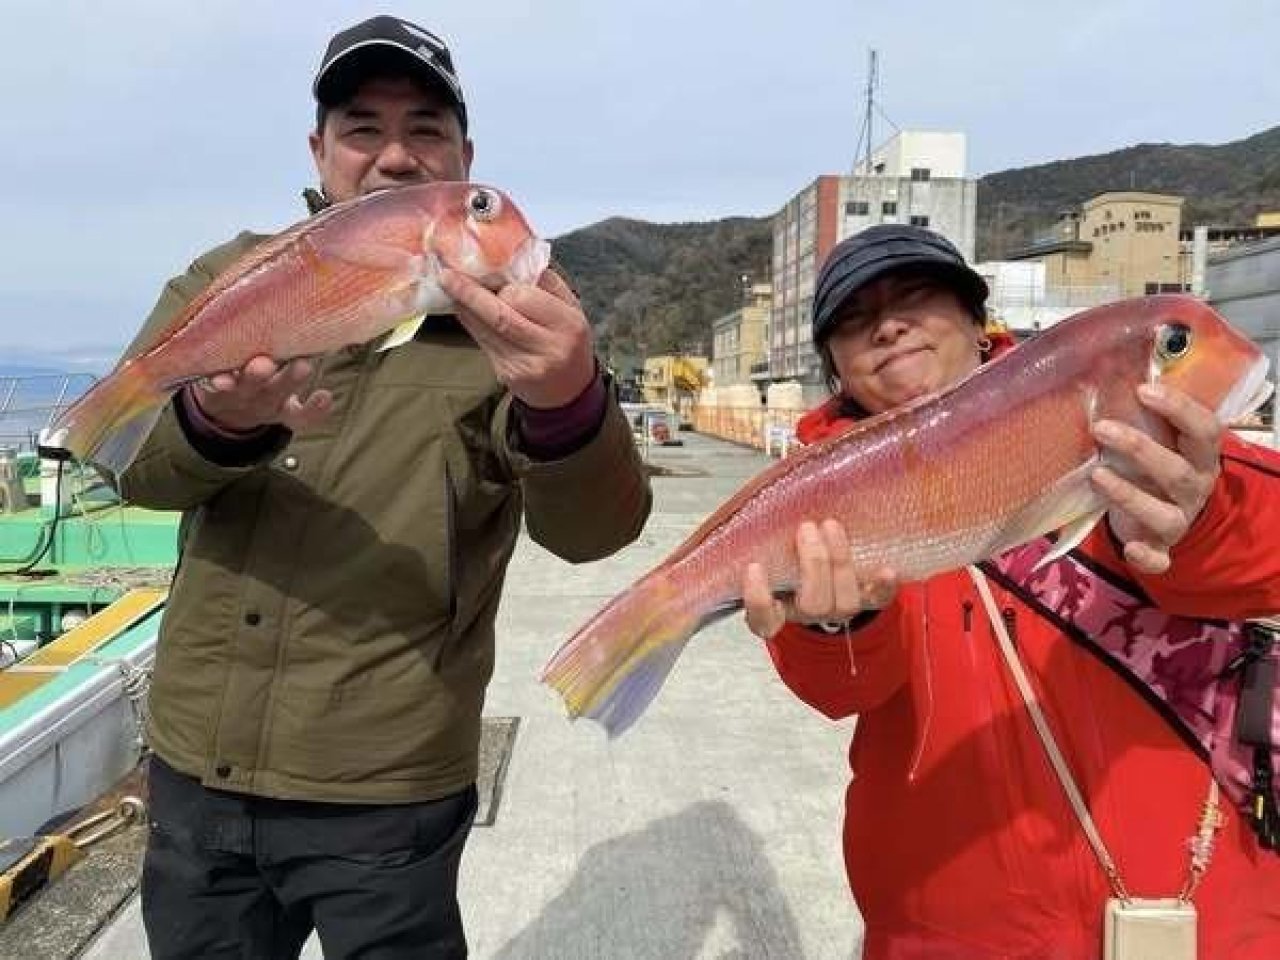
958 839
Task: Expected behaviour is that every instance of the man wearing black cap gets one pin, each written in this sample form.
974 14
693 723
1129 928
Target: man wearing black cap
958 838
315 706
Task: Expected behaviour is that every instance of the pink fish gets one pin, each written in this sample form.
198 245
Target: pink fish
993 462
356 271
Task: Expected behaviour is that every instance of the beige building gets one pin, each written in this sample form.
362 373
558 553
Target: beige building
739 342
1126 241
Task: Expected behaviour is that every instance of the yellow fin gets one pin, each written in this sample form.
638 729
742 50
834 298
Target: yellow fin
401 334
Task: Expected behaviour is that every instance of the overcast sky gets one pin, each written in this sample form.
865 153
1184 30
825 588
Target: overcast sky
137 133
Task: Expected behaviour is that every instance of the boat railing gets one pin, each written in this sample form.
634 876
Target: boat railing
31 402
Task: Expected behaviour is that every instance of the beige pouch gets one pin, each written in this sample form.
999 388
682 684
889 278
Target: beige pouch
1149 930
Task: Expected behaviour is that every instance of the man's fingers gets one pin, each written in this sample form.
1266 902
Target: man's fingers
488 318
541 308
258 372
220 382
555 285
300 415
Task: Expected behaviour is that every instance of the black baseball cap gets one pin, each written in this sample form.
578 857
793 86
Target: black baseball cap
377 43
876 251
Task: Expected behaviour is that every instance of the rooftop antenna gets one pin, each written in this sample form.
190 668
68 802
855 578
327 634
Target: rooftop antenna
871 102
865 141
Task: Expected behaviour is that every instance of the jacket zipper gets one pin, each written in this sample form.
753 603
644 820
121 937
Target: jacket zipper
1010 618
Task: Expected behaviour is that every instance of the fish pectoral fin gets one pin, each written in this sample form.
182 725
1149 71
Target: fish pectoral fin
1068 503
400 334
1071 535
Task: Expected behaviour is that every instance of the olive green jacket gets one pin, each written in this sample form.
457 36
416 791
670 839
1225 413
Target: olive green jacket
330 630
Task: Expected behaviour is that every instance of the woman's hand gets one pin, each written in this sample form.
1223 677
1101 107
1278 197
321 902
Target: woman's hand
829 587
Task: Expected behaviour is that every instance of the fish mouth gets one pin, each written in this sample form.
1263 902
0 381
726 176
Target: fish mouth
1250 393
531 258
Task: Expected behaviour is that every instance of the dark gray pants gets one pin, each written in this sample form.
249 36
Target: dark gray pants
234 876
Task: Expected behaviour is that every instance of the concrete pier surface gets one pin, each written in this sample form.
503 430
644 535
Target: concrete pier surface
709 831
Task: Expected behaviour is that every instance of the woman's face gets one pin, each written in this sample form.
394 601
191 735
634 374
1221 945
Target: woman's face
901 337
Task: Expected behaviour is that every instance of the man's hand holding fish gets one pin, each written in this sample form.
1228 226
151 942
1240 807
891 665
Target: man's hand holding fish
259 394
536 336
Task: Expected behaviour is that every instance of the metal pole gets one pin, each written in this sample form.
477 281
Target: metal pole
871 95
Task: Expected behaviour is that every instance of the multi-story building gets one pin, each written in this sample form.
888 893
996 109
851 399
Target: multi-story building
916 177
738 338
1126 241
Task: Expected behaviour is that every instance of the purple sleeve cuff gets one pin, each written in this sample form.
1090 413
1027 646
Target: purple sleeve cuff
556 433
217 444
203 424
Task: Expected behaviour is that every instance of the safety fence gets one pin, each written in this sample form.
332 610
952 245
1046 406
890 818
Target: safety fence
772 431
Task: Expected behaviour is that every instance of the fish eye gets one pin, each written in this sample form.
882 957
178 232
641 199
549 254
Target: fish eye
1173 341
483 204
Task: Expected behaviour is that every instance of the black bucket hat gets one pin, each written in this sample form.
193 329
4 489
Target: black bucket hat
871 253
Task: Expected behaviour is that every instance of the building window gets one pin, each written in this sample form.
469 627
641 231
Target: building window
857 208
919 174
889 208
919 221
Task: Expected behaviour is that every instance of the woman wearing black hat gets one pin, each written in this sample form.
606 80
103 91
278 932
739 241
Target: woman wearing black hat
960 841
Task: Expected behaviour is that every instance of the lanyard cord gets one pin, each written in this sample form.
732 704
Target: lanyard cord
1210 818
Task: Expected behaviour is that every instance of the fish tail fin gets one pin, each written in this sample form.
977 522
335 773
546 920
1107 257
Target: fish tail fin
613 667
109 424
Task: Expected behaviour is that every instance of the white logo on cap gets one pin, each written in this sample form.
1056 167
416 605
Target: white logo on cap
432 41
427 52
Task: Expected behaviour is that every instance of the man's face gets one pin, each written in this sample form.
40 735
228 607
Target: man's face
390 133
901 337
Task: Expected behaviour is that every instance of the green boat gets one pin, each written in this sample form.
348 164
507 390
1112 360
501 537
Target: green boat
83 579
